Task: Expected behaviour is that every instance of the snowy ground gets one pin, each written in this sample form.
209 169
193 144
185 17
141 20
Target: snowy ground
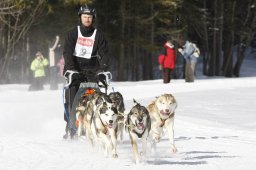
215 128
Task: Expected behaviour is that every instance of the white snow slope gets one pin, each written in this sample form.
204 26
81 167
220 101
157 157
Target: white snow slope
215 128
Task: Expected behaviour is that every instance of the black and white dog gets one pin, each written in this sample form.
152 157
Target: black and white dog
104 126
138 125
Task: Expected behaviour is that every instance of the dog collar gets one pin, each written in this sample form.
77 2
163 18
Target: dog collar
139 134
163 120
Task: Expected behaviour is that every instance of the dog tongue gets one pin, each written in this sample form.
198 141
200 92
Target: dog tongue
164 113
141 126
110 125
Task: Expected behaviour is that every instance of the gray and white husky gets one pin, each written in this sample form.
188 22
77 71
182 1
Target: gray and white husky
138 125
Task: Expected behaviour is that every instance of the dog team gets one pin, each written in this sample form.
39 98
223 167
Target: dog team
102 119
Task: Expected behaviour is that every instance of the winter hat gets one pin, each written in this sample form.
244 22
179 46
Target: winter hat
39 53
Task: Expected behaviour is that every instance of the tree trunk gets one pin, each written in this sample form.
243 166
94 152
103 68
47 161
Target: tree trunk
219 37
240 57
206 54
121 61
229 39
245 39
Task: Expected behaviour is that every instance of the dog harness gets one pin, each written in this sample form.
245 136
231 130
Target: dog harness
105 130
163 120
138 134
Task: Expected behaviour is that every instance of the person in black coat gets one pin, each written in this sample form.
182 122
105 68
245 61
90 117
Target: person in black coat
85 53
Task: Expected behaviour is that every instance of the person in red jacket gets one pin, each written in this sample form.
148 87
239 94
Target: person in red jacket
167 61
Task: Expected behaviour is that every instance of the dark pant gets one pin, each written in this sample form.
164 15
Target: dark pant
167 75
69 97
178 72
37 84
190 71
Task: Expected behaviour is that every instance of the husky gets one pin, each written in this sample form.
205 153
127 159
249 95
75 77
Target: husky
138 125
118 100
161 112
94 100
80 111
104 125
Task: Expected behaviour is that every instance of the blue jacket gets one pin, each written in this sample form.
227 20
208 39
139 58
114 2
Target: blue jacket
188 50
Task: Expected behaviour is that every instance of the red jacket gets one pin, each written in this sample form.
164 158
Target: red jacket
168 60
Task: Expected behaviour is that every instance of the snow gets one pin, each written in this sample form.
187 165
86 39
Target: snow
214 127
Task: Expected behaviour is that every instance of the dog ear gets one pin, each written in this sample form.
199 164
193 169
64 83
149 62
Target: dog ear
135 102
105 104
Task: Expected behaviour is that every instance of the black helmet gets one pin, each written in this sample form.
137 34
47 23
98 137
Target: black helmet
86 9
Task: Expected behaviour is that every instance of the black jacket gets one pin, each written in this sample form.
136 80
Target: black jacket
78 63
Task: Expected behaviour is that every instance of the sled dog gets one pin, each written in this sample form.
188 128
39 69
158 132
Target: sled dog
138 125
94 100
104 125
118 100
161 112
80 111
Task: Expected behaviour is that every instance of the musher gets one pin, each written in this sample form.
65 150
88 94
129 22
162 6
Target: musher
85 54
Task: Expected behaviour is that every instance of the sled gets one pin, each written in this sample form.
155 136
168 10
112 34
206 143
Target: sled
85 88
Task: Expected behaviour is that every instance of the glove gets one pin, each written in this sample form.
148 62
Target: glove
104 79
71 76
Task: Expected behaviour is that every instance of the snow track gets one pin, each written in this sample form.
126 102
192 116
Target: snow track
210 132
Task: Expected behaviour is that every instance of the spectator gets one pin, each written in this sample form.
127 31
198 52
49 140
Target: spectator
167 61
38 67
190 53
61 64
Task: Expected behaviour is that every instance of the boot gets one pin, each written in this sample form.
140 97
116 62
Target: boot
66 134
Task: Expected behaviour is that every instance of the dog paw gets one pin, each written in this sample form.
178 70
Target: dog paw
115 156
157 139
137 161
142 153
174 150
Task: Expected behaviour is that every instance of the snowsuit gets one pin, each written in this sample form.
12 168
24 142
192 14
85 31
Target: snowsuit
167 60
80 64
38 66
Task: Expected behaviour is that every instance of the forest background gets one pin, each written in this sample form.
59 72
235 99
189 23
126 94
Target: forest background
135 29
